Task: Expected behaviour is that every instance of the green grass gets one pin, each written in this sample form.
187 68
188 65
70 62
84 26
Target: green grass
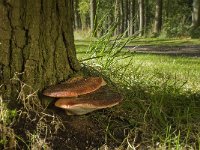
161 96
152 41
160 109
164 41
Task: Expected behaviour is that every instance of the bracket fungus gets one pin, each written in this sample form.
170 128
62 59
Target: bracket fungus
83 95
102 98
74 88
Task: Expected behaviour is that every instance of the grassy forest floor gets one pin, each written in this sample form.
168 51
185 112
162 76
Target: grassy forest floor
160 110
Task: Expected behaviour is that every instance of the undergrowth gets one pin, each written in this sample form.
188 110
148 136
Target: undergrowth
30 126
160 110
161 104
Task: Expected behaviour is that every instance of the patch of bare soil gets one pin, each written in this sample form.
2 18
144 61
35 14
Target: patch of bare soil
77 133
188 51
80 133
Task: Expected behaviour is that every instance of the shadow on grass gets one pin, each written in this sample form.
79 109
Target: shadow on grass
148 111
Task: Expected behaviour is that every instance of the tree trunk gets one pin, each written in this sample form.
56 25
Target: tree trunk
77 19
167 9
196 13
158 18
93 19
131 17
36 39
122 17
126 15
141 17
117 16
147 17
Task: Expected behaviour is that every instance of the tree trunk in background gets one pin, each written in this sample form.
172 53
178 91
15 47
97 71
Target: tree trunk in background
141 17
126 16
131 16
122 16
196 13
37 40
146 17
167 8
83 21
137 19
77 19
93 19
117 16
158 18
87 17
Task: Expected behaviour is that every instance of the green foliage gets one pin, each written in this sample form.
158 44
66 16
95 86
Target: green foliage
105 6
176 17
7 118
84 7
107 49
6 115
195 32
172 28
84 12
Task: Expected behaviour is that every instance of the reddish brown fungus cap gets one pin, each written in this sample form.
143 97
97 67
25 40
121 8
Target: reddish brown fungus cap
75 88
102 98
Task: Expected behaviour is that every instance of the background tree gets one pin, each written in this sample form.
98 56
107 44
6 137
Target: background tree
84 7
165 19
122 16
158 17
146 16
77 18
93 18
37 40
131 16
118 16
196 13
105 14
141 17
125 16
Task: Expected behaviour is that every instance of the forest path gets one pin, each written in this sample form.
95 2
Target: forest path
185 50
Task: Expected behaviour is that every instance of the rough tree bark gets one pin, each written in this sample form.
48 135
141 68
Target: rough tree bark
158 17
196 13
36 39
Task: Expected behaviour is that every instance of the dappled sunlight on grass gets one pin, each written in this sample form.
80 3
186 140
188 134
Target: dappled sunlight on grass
161 97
